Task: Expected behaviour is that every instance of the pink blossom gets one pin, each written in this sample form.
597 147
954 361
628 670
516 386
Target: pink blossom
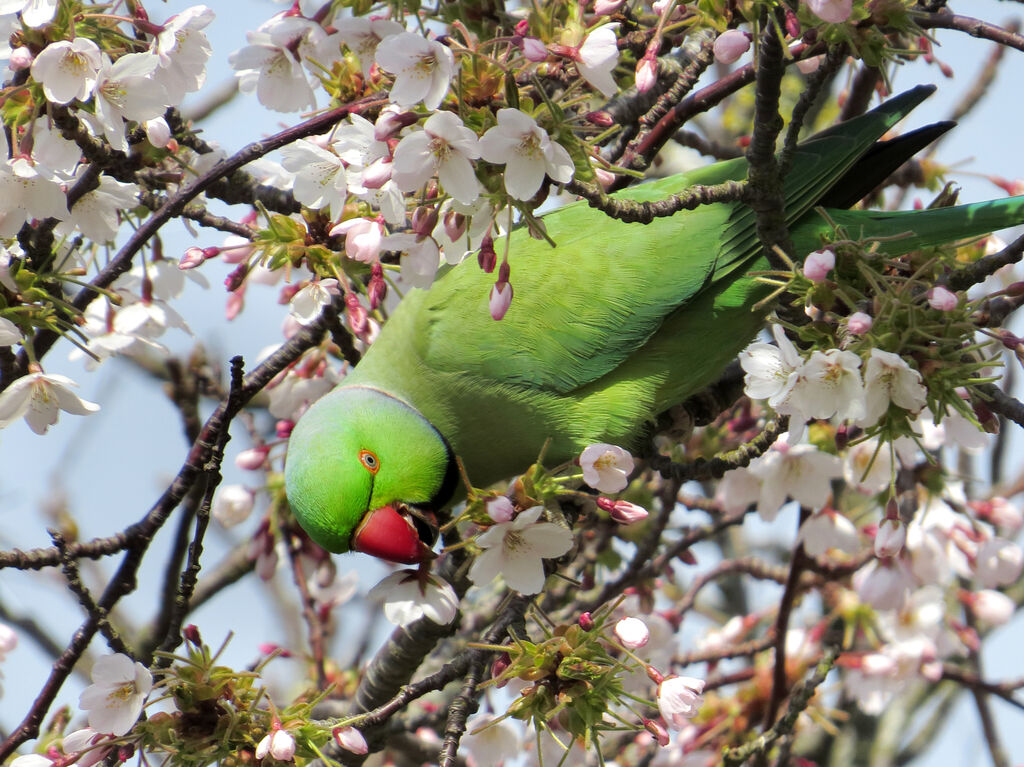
942 299
859 323
253 458
730 45
500 299
363 237
993 607
818 264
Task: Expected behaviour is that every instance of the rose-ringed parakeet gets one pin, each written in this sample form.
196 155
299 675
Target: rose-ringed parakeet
615 325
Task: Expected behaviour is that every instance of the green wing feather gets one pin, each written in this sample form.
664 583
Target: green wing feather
581 310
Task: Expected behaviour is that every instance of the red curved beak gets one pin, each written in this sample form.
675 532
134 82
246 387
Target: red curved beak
386 534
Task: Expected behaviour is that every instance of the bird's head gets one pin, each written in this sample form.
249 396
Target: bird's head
363 470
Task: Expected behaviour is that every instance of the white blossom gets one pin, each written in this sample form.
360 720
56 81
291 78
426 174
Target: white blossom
598 57
446 147
527 152
320 177
423 68
679 699
232 504
420 257
183 49
114 700
828 531
868 466
126 90
801 472
889 379
39 398
363 35
606 467
67 69
517 550
408 596
491 740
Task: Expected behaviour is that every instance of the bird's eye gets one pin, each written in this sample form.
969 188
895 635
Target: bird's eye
369 460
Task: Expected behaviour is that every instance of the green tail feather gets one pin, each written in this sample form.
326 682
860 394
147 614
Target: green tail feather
915 229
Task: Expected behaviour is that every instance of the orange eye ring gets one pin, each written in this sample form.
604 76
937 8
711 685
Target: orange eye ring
370 461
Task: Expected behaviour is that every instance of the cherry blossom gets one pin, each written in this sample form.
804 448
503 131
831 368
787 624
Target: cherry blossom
363 238
9 333
350 739
993 607
277 743
527 152
517 550
126 90
307 304
491 740
183 49
232 504
679 699
942 299
97 214
829 384
39 398
730 45
409 596
320 176
598 57
270 64
999 562
34 13
883 584
890 538
826 532
423 68
623 512
818 264
500 509
446 147
606 467
420 257
114 700
632 632
801 472
859 323
363 35
889 379
771 371
834 11
868 466
67 69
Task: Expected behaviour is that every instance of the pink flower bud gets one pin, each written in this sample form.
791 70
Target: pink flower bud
646 73
252 459
234 280
500 299
358 320
600 118
500 509
454 225
623 512
607 7
424 219
191 634
522 27
604 178
501 663
377 288
21 58
658 731
350 739
487 258
942 299
586 621
818 264
278 744
632 632
859 323
730 45
534 49
792 24
390 123
193 257
158 132
807 66
832 11
889 539
283 428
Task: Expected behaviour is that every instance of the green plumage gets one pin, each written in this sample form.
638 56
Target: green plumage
616 324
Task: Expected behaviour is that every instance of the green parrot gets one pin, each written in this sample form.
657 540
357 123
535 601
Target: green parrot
615 325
